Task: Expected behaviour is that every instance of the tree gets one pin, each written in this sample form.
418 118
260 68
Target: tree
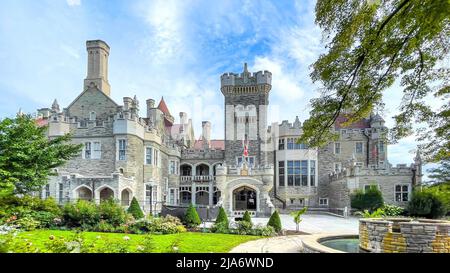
191 217
275 221
371 45
247 217
222 217
298 217
135 209
371 199
28 157
426 204
441 174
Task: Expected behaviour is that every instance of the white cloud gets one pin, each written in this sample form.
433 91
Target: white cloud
73 2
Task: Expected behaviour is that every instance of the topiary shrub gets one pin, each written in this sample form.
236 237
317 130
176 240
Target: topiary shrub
275 221
191 218
371 199
247 217
222 217
426 204
135 209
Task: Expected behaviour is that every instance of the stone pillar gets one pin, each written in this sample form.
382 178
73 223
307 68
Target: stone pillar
211 193
193 192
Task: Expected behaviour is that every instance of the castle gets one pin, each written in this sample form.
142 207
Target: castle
257 167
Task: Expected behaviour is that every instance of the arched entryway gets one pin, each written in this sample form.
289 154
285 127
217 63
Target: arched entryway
185 198
202 169
106 194
244 198
125 197
186 170
84 193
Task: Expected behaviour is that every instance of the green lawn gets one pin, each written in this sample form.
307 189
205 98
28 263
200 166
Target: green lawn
189 242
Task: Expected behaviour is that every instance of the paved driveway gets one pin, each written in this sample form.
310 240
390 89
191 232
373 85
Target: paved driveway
317 223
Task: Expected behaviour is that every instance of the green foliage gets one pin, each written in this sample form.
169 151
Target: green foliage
244 227
392 210
260 230
371 199
375 214
191 218
135 209
28 156
162 225
247 217
222 217
370 46
426 204
275 221
82 214
441 174
298 217
442 191
221 227
112 213
147 245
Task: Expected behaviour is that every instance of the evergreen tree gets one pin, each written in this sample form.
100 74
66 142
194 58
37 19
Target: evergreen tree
135 209
191 217
275 221
247 217
222 217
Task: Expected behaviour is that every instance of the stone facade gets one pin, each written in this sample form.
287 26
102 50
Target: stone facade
403 235
256 167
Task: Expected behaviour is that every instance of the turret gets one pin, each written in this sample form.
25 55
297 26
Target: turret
206 131
150 106
97 70
55 106
246 82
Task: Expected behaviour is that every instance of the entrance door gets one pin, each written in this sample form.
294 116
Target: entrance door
244 198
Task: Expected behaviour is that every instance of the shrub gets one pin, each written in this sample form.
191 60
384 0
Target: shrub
104 226
260 230
112 213
247 217
221 227
135 209
426 204
27 223
222 217
157 225
46 219
82 214
29 206
244 227
392 210
371 199
191 218
275 221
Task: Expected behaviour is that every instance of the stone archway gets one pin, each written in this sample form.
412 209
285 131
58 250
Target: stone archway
106 194
245 198
84 193
125 197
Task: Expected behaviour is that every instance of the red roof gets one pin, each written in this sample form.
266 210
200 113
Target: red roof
41 122
215 144
361 124
163 107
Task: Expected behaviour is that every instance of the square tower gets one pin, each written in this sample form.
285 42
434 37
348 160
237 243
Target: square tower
246 101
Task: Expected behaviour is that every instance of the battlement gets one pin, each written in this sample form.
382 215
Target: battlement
246 78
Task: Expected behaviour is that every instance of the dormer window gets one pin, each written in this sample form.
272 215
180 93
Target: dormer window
92 116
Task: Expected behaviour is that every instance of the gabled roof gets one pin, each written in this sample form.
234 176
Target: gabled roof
360 124
215 144
163 107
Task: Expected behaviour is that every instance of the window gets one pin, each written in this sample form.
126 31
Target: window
155 194
281 144
148 155
290 143
172 167
173 196
359 147
301 201
281 173
122 149
47 191
343 131
82 124
92 116
87 150
323 201
401 193
250 160
60 192
312 172
337 167
97 154
148 194
381 147
337 148
292 201
297 173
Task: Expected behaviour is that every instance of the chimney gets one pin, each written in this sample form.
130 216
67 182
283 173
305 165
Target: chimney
150 106
97 72
206 131
127 103
183 118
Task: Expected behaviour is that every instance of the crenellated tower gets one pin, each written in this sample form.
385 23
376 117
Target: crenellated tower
246 101
97 72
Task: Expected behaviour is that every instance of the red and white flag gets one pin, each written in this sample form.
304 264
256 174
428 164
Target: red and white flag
245 144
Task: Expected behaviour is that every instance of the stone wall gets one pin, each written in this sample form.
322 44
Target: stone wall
401 235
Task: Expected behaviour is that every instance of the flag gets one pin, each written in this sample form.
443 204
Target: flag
374 151
245 145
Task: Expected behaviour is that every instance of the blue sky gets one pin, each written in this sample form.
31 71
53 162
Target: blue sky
175 49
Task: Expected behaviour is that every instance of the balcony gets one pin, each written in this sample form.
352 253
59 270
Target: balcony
197 178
